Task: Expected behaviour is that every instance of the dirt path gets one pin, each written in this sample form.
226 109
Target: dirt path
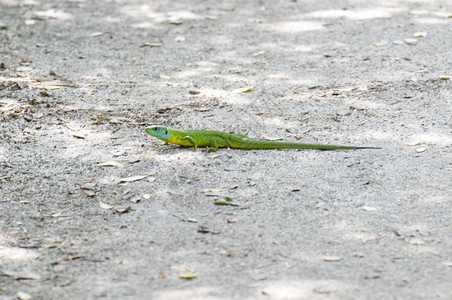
80 80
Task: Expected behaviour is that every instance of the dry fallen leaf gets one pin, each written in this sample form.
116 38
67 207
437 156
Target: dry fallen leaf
110 163
212 192
90 185
23 275
175 22
332 258
421 149
416 241
56 215
123 209
447 263
4 106
245 89
273 138
369 208
133 178
410 41
413 143
203 229
96 34
53 244
105 205
134 159
73 256
148 173
24 69
152 45
23 296
380 43
258 53
188 275
420 34
135 199
51 86
191 220
225 201
88 193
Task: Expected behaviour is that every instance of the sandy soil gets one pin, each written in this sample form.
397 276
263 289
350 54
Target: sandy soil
80 80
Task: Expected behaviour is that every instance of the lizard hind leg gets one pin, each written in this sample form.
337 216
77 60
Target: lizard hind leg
217 142
213 145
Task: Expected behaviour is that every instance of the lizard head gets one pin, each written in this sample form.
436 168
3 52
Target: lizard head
158 132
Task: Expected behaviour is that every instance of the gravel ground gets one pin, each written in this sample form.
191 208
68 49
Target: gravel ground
80 80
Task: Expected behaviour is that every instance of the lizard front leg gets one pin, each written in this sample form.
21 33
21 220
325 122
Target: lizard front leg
192 141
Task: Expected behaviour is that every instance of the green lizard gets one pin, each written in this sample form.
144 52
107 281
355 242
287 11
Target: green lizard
216 139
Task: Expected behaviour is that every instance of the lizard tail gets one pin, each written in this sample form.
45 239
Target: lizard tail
258 144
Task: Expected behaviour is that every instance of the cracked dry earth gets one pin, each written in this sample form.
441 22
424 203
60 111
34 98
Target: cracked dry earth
91 208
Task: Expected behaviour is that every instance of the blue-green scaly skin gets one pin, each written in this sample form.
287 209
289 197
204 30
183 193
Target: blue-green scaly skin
218 139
